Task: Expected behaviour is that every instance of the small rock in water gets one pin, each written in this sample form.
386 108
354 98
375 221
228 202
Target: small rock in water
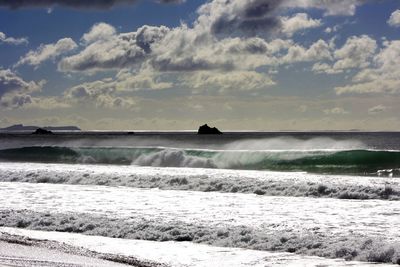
205 129
42 131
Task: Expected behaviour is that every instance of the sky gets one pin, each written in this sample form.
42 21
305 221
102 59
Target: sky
174 64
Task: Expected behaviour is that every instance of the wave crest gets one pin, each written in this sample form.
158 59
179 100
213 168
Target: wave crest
354 162
173 158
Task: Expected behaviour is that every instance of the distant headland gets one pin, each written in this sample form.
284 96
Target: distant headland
21 127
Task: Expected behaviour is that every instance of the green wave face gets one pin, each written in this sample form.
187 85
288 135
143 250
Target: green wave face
361 162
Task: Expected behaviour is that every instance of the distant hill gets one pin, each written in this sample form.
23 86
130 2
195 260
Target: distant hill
21 127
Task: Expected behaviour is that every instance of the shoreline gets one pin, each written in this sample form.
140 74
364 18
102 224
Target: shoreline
147 253
19 250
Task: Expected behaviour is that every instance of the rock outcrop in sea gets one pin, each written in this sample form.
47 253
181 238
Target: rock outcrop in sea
41 131
205 129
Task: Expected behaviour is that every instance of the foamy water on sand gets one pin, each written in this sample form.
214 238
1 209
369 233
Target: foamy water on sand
182 253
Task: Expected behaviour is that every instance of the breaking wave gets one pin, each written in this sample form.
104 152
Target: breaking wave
359 161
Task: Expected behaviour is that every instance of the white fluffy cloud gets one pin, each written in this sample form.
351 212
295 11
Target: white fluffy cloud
324 68
319 50
203 46
355 53
224 49
108 50
384 77
298 22
11 40
46 52
185 49
332 29
99 32
394 19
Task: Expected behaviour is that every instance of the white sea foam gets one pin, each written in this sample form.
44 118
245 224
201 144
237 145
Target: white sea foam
365 230
198 179
181 254
373 217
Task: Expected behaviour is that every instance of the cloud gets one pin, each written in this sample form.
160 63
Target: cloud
219 65
261 17
383 77
330 7
394 19
298 22
14 91
249 28
100 93
377 109
320 50
128 81
336 111
11 40
108 50
99 32
93 4
115 92
365 75
324 68
357 52
26 101
249 18
11 82
182 51
227 36
332 29
185 50
46 52
228 81
15 100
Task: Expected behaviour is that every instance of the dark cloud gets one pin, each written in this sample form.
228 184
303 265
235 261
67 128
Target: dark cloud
250 46
16 101
10 82
14 91
244 17
97 4
188 64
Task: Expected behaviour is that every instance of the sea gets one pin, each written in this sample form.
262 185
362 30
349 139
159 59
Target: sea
182 199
